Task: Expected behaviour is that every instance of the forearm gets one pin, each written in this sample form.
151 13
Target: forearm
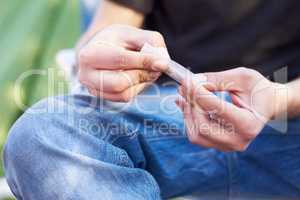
293 108
111 13
287 100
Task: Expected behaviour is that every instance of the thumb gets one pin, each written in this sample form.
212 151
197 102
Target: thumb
229 80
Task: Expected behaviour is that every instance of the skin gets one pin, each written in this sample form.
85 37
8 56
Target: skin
111 67
212 122
105 16
110 64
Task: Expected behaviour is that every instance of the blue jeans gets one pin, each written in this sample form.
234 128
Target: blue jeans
81 147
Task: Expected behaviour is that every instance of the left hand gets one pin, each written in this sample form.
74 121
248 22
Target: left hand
212 122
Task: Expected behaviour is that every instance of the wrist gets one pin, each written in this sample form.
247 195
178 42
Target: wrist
286 101
293 100
282 98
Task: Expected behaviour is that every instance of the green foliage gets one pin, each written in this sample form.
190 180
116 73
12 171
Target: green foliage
31 32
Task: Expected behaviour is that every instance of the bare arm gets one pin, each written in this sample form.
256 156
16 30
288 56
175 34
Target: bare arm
293 108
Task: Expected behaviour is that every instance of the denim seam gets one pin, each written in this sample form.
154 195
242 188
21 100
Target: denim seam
233 191
229 177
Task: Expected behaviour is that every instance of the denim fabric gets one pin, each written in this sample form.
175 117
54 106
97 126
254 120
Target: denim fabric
81 147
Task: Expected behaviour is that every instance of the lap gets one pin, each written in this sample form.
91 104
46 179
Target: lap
270 166
149 134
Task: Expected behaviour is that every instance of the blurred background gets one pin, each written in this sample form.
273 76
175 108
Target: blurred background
31 33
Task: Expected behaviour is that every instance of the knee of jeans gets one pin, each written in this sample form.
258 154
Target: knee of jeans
23 141
21 147
41 134
56 122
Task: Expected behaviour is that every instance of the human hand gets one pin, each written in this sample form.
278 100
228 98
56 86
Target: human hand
111 66
212 122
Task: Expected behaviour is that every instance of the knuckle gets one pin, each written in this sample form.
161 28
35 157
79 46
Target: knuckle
119 30
248 135
157 35
116 85
83 57
119 86
250 132
193 138
120 59
82 77
158 38
142 77
243 71
126 97
146 62
126 80
246 73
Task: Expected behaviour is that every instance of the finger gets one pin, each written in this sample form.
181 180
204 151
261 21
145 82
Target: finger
139 37
220 137
229 114
125 96
103 56
211 103
191 125
131 37
116 81
183 105
229 80
181 92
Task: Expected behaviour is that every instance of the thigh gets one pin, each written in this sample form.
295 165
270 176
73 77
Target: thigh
179 167
100 147
151 131
66 148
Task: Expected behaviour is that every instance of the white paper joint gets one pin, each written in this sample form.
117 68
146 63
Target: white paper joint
176 71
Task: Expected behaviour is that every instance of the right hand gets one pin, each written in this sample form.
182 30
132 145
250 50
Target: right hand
111 66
